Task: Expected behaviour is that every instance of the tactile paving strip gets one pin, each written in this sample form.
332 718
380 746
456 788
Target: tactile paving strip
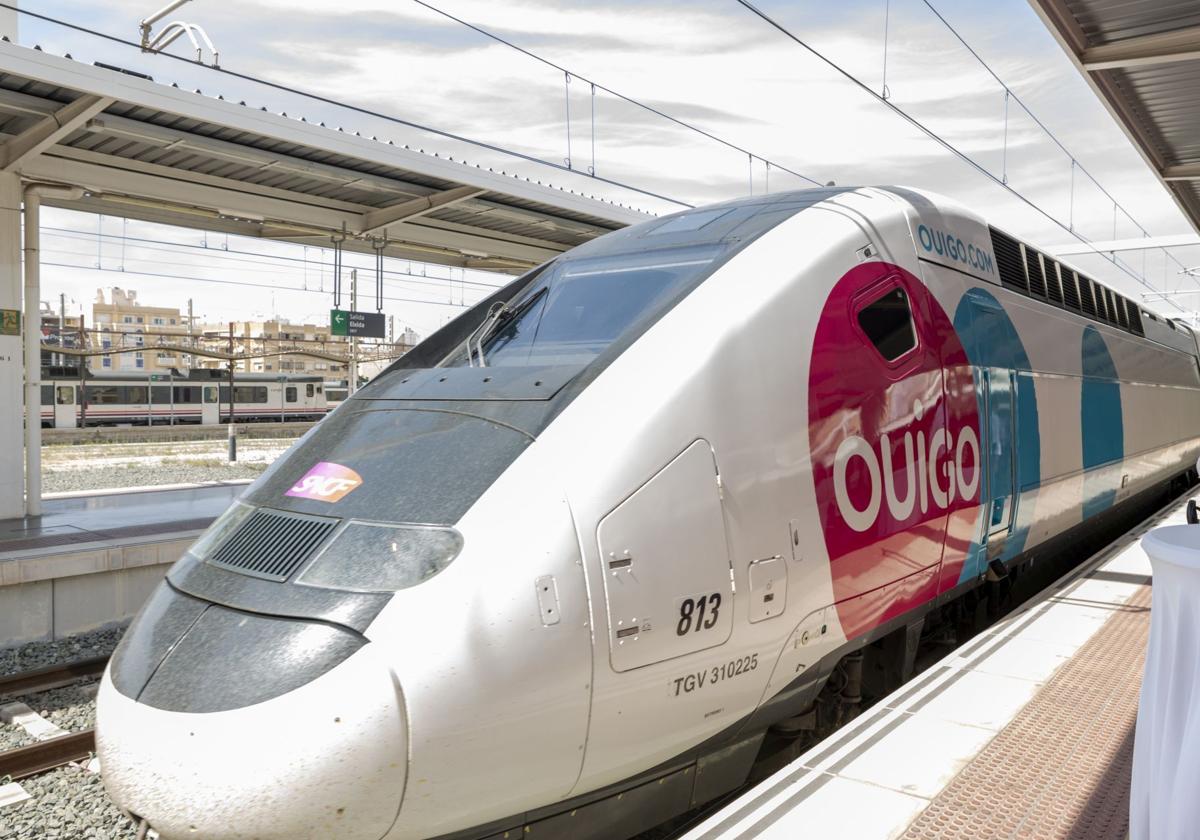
1061 768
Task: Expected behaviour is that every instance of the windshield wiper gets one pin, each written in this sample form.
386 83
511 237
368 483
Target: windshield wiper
498 316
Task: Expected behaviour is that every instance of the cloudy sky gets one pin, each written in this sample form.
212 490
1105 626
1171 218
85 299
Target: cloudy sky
708 62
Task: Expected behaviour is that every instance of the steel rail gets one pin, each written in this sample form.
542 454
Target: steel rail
47 755
53 676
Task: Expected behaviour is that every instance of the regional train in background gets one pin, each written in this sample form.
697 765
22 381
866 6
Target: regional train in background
561 567
198 396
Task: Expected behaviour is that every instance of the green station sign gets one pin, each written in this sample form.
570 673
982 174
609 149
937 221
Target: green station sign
350 323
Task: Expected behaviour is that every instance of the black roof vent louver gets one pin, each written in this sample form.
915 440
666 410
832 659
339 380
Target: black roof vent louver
1008 262
1087 301
1135 319
1122 312
272 544
1033 268
1053 288
1070 290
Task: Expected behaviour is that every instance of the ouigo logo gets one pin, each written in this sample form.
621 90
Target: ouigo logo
326 482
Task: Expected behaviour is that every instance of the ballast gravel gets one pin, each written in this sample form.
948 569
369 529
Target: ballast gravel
32 655
68 803
71 708
65 804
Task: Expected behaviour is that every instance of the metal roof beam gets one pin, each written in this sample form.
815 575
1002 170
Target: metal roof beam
378 219
1182 172
50 129
1158 48
133 186
22 103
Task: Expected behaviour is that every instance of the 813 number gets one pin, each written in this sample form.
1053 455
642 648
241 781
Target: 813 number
692 614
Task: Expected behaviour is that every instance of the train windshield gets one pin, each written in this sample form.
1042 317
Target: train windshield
578 307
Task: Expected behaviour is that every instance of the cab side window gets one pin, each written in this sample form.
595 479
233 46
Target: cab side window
887 322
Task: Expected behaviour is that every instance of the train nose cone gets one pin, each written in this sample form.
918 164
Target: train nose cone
324 760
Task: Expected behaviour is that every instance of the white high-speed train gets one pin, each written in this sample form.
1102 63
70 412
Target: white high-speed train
560 568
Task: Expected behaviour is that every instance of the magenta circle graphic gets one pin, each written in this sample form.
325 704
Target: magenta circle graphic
895 451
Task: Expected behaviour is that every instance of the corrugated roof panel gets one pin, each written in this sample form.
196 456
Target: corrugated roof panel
1157 101
1104 21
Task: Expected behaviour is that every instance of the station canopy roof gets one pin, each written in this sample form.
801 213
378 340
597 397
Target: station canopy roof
1142 57
149 151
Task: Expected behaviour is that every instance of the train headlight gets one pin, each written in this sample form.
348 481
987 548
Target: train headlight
381 557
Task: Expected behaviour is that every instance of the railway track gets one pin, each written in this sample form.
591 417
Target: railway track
30 760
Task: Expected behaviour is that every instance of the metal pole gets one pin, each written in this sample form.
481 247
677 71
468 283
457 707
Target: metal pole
353 341
149 400
171 391
33 359
282 392
191 336
62 326
231 373
83 368
232 429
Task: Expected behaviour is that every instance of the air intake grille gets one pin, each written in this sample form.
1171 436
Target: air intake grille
1087 301
272 544
1008 261
1033 267
1070 290
1122 313
1135 319
1053 288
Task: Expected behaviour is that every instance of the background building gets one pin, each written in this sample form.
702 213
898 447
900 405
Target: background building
122 321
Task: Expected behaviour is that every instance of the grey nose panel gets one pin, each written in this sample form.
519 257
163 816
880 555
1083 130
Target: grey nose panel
231 659
162 621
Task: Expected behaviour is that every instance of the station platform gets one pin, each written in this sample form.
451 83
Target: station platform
1026 731
91 559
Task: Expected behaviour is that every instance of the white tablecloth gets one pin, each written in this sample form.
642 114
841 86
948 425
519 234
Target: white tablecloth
1165 797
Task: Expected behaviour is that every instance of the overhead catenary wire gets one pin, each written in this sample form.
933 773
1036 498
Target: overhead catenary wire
249 284
220 253
1075 164
629 99
933 135
130 269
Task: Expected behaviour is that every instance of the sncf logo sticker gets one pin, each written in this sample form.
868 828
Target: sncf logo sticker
326 482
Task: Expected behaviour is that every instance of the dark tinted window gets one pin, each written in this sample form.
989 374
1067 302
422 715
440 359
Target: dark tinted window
574 310
187 393
291 393
47 395
117 394
245 393
887 322
160 394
